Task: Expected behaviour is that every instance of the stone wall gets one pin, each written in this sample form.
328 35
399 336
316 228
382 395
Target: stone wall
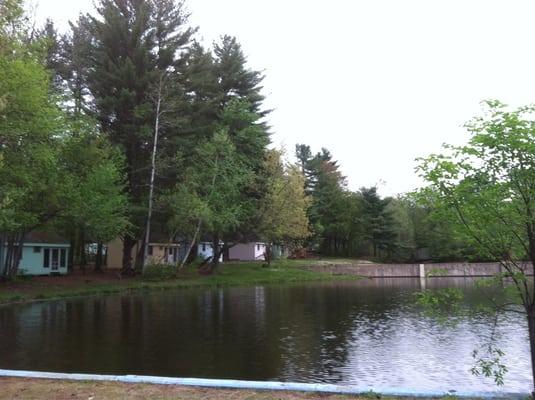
416 270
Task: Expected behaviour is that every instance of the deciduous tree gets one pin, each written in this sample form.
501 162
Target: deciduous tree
489 183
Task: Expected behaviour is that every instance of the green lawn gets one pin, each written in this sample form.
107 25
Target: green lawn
229 274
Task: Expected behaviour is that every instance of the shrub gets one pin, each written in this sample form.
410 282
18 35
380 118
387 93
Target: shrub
160 272
22 275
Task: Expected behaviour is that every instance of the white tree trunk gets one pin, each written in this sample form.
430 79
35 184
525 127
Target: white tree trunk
152 173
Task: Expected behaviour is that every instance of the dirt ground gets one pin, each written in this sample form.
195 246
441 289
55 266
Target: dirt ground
31 389
74 278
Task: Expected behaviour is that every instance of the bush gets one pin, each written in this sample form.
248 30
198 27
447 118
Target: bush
160 272
22 276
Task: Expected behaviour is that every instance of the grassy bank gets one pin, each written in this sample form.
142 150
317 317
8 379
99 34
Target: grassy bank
22 388
230 274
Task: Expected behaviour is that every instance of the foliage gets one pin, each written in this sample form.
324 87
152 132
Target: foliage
489 184
489 364
54 169
159 272
98 204
33 188
284 207
128 45
443 303
377 222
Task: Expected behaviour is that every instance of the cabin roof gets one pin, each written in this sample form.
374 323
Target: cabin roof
44 237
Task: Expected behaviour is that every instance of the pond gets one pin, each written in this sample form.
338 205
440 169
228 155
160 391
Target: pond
366 333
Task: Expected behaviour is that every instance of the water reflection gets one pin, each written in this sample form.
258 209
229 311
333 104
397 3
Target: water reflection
367 333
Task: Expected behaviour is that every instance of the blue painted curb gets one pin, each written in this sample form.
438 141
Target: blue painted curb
255 385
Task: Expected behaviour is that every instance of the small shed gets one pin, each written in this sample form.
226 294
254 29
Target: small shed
252 251
43 253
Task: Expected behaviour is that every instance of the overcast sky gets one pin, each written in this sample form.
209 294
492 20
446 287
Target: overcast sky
377 82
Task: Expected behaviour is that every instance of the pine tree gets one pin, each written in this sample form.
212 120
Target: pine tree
133 43
74 66
378 222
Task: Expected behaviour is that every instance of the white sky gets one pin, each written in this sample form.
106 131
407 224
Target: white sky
377 82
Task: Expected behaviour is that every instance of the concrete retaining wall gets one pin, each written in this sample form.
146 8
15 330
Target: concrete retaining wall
417 270
256 385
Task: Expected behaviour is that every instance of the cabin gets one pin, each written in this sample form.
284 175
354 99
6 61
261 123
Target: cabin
206 250
252 251
164 253
162 250
43 253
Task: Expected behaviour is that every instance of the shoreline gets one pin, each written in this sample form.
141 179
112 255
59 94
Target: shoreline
33 389
77 284
34 384
49 288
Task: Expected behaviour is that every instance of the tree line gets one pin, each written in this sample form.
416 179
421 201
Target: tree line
362 223
126 124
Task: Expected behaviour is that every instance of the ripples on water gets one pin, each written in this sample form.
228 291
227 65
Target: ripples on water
366 333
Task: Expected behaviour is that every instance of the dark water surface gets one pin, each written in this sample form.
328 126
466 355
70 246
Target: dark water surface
367 333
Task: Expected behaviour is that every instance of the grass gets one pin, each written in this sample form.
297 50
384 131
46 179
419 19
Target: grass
230 274
22 388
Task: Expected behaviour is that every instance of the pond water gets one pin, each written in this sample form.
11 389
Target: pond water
366 333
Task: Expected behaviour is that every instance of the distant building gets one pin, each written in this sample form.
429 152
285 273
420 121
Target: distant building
252 251
206 250
43 253
162 250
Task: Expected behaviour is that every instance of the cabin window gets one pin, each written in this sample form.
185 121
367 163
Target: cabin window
258 246
204 247
36 249
150 250
63 258
46 258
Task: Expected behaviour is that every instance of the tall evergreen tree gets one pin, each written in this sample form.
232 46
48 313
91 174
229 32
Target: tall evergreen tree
223 92
378 222
74 66
132 43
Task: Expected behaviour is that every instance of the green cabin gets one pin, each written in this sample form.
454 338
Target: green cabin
43 253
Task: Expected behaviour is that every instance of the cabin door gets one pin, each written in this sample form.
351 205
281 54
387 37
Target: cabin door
54 259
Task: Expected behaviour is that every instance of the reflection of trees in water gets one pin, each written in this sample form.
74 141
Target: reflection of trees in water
313 332
324 319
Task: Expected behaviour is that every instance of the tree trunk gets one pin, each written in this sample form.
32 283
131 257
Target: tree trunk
2 254
226 251
268 254
216 253
81 249
13 254
192 243
140 256
8 256
72 242
152 172
18 255
128 245
98 258
531 328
